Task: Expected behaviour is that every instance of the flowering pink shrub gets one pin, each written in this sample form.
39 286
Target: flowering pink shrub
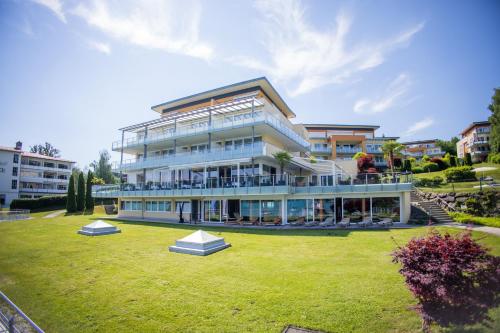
454 278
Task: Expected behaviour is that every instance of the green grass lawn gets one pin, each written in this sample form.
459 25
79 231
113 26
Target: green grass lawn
460 186
467 218
336 281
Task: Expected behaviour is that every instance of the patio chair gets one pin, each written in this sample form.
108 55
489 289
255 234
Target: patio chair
367 221
345 222
386 221
328 222
300 221
238 217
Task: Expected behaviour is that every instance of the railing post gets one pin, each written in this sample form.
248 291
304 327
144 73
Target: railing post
11 324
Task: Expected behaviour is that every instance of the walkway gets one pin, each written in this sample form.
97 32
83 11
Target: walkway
54 214
488 230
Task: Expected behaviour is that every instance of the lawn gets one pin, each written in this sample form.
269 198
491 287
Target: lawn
467 219
460 186
335 281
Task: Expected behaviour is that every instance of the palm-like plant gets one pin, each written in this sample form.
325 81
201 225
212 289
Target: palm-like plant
390 148
283 158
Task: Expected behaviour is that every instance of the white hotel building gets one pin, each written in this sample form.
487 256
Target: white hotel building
28 175
212 154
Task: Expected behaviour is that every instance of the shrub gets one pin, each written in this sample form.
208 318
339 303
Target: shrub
42 203
71 198
473 207
467 159
365 162
406 165
426 158
440 163
417 169
459 174
454 278
429 182
494 158
430 167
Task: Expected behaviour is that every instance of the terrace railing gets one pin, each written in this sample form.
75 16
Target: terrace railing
16 214
348 150
13 319
257 184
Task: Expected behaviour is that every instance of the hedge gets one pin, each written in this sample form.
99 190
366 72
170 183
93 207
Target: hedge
430 167
429 182
42 203
459 174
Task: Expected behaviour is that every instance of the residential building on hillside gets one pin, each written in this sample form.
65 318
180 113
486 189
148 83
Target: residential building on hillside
419 149
211 156
476 141
28 175
342 142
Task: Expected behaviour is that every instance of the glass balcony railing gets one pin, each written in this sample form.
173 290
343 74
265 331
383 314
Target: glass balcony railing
215 154
321 149
371 150
259 184
220 124
347 150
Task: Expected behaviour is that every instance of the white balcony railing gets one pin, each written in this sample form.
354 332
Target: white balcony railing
346 150
217 154
321 149
220 124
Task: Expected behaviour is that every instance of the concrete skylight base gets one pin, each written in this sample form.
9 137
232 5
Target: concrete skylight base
98 228
199 243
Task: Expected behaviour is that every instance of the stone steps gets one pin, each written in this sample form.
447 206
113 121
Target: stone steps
422 208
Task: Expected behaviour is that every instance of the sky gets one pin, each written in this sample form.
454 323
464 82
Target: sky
73 72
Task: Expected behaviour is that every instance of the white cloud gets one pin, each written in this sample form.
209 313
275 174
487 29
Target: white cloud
298 52
165 25
55 6
391 97
101 47
418 126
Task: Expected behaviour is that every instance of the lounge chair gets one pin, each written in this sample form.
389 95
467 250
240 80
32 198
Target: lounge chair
367 221
239 218
300 221
312 224
328 222
274 222
386 221
345 222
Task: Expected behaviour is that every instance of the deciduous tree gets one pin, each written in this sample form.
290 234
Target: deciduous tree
46 149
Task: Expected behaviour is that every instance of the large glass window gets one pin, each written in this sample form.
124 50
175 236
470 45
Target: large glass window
324 209
250 210
158 206
212 211
299 209
131 205
271 209
356 208
386 208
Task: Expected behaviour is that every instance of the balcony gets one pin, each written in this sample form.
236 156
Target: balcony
265 185
41 167
371 150
219 154
259 118
43 190
347 150
321 149
42 180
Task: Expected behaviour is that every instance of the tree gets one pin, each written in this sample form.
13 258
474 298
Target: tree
365 162
449 147
390 148
181 209
467 159
97 180
454 278
102 167
47 149
71 198
80 197
406 165
89 201
283 158
494 119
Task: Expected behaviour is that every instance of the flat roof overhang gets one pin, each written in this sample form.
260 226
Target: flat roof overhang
262 83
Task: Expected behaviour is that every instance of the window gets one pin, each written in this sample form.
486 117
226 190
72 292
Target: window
62 166
14 171
14 184
16 158
158 206
131 205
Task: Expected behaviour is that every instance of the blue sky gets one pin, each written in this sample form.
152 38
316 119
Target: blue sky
73 72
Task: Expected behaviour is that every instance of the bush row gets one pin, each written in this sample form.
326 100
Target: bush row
48 202
459 174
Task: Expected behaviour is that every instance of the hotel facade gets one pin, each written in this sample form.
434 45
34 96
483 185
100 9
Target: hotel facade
212 155
27 175
421 148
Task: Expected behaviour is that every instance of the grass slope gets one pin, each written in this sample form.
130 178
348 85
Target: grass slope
336 281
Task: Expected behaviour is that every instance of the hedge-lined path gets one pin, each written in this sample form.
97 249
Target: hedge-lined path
488 230
54 214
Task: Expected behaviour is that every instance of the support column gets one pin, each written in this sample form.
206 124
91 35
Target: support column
284 216
121 161
210 128
238 174
145 155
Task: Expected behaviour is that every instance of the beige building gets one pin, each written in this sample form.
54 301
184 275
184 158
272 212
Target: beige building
419 149
476 141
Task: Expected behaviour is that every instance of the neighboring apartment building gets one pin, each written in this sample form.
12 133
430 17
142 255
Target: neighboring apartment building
211 155
418 149
476 141
28 175
342 142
